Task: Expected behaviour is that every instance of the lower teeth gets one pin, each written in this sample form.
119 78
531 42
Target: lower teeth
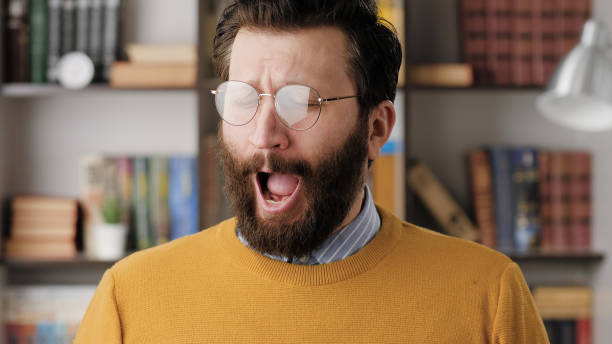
273 202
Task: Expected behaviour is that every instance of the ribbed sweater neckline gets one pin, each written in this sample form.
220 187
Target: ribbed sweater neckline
303 275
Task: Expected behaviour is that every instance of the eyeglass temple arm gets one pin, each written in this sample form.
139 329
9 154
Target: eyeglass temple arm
337 98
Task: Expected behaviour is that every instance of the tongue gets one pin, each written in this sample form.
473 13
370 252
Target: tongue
282 184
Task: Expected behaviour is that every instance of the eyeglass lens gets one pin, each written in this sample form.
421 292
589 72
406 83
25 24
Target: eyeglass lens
297 106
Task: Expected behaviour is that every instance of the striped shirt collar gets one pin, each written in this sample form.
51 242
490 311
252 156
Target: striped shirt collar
342 243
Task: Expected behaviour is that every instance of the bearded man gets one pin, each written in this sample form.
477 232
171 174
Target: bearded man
305 107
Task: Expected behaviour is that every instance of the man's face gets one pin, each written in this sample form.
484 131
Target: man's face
291 189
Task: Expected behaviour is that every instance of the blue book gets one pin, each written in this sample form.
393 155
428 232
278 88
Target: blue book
45 333
183 196
524 170
502 193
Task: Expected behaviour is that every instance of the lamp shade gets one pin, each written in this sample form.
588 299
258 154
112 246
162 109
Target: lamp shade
579 94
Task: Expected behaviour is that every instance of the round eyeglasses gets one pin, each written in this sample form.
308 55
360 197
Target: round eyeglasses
297 106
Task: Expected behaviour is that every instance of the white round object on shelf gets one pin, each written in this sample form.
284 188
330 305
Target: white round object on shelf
75 70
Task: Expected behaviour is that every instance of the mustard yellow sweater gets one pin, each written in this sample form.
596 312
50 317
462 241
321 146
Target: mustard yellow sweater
408 285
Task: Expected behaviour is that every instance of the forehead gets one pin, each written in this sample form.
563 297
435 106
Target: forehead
272 58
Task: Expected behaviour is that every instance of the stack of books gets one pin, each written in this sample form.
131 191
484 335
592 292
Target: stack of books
156 66
519 42
40 32
527 198
156 196
44 314
566 311
42 228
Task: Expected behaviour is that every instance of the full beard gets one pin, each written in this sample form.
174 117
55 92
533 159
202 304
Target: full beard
329 190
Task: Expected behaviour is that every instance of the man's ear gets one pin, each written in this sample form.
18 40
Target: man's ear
380 124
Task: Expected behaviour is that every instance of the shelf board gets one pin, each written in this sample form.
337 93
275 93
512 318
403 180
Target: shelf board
81 261
556 257
478 88
34 90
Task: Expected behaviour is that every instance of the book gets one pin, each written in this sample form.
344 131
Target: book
158 199
141 75
544 180
141 203
183 196
38 16
584 330
524 174
474 38
24 250
110 36
522 43
549 36
68 26
81 25
393 11
54 47
45 313
559 200
443 207
35 203
96 31
125 178
502 193
17 66
579 193
499 28
482 194
162 53
563 302
442 75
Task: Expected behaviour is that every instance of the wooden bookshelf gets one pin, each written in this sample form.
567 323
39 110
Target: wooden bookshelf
557 257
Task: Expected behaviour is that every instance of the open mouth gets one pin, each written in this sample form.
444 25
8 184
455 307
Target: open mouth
277 192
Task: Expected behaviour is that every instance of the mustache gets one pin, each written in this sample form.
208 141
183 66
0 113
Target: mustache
276 164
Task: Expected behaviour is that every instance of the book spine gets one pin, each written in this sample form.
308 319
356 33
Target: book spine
94 45
125 177
17 65
158 199
502 191
580 201
54 38
482 193
183 196
567 331
524 198
141 199
443 207
38 40
499 40
584 331
522 43
537 63
68 25
544 179
474 37
559 210
82 25
111 33
549 38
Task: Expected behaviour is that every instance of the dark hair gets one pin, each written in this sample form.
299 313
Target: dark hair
374 50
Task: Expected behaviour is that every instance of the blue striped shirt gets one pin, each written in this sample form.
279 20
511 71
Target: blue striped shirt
342 243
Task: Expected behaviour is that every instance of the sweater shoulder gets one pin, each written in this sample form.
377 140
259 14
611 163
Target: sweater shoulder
455 253
173 255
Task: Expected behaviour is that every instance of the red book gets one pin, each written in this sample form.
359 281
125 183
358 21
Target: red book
499 34
474 37
580 201
537 63
522 43
482 192
572 16
559 200
584 331
549 36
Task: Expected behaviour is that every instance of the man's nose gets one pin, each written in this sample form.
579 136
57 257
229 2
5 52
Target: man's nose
268 132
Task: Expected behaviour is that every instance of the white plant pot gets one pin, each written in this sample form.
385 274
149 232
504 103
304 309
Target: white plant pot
110 240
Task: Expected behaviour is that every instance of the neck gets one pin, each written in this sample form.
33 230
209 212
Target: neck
353 210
